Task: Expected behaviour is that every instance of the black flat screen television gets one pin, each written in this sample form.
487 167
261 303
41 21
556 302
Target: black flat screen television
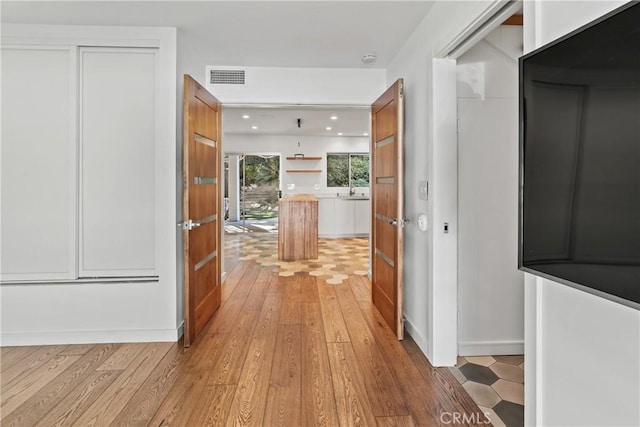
580 158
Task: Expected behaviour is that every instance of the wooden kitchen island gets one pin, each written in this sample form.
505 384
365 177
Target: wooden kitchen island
298 227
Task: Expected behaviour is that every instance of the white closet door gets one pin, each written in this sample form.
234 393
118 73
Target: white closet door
117 176
38 164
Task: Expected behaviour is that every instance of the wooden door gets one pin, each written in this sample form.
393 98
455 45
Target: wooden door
202 207
387 201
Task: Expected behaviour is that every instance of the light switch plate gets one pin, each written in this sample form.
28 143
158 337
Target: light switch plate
423 190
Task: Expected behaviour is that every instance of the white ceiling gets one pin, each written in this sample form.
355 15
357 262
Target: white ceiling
283 121
334 34
252 33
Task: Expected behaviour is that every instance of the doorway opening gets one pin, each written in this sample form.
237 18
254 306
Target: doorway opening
273 151
251 192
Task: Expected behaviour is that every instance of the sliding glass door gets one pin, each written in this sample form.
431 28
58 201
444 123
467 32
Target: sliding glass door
252 192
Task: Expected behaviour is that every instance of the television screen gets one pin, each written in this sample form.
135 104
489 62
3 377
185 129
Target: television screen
580 158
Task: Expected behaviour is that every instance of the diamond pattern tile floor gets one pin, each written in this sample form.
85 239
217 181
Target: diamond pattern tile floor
496 384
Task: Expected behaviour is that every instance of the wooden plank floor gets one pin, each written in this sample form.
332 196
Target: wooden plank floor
281 351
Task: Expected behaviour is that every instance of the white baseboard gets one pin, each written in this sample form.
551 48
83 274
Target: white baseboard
10 339
490 348
180 330
418 337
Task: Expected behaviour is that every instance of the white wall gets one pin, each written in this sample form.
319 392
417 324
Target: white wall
490 287
273 85
34 314
588 370
287 145
426 314
581 351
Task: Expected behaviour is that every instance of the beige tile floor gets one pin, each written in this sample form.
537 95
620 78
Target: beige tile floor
337 258
496 384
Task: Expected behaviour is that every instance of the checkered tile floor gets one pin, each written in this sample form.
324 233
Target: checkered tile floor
337 258
496 384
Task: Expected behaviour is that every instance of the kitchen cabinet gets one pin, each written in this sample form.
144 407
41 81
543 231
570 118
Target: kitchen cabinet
326 225
362 211
343 217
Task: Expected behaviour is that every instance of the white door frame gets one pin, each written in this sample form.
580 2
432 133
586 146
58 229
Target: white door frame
443 330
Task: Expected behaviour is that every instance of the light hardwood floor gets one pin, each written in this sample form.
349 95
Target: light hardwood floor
281 351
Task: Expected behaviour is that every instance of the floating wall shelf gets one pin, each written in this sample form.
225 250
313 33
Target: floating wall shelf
304 158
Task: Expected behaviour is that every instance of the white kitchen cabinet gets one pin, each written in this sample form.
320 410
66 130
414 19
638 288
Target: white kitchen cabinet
343 217
362 215
325 217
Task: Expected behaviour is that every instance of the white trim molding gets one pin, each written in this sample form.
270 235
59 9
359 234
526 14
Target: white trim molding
12 339
494 348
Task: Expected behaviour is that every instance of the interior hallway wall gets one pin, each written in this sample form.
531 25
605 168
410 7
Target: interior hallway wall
490 287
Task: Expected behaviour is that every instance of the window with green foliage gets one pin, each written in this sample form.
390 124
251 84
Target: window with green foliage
347 170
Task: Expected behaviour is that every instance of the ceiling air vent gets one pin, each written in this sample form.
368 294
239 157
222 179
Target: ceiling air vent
226 77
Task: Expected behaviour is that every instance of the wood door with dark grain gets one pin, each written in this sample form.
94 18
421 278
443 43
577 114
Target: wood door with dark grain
202 114
387 194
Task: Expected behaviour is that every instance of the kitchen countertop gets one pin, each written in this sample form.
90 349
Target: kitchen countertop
299 198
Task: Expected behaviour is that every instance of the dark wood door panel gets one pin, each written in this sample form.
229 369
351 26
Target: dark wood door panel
387 220
201 208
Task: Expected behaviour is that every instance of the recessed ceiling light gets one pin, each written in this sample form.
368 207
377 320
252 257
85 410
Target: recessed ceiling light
334 117
245 116
328 128
369 58
365 134
339 133
254 127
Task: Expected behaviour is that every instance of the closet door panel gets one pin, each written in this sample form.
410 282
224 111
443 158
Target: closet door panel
38 163
117 146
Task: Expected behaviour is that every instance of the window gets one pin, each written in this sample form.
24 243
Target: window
347 170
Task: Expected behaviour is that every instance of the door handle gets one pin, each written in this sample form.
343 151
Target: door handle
189 224
402 223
